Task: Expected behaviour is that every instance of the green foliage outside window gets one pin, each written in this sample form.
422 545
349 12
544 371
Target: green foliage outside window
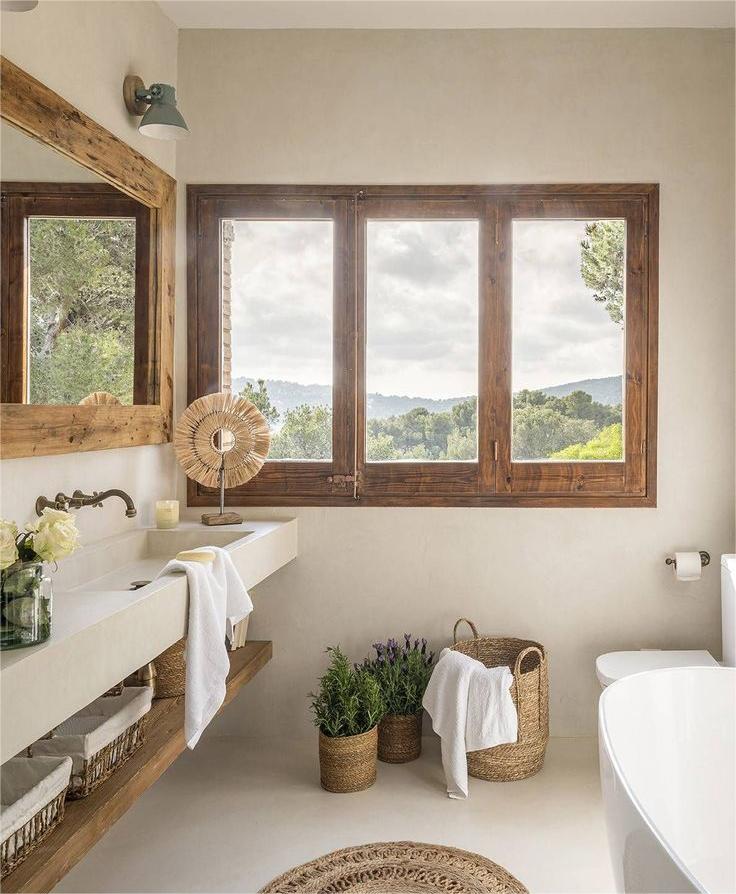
603 264
607 444
257 394
544 427
305 434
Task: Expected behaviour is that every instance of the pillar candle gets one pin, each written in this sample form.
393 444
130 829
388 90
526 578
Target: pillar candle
167 513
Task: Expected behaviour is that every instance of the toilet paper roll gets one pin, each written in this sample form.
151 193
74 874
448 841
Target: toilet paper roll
688 566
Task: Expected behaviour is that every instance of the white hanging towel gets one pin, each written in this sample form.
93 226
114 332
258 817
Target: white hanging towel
239 604
216 593
471 708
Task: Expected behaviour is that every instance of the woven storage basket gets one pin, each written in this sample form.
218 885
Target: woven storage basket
348 763
100 738
400 738
33 795
530 692
171 671
171 665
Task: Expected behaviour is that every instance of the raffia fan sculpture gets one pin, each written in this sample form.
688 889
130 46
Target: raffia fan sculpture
221 441
99 398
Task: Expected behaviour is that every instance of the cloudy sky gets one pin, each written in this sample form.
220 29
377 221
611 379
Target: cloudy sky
560 333
422 306
282 300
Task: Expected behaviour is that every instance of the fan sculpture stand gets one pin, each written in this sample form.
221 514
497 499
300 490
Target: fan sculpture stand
222 517
221 441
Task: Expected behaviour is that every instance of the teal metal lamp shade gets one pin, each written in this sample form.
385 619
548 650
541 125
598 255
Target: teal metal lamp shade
163 121
157 104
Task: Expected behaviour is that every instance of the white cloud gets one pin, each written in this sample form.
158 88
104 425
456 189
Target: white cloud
560 333
282 300
422 306
422 300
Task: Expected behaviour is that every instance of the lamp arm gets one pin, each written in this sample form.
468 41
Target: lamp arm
143 94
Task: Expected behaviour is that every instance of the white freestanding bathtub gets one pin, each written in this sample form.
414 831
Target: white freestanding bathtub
667 742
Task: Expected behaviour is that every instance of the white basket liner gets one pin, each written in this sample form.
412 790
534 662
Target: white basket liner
95 726
27 784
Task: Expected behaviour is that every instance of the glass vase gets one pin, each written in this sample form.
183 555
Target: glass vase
25 605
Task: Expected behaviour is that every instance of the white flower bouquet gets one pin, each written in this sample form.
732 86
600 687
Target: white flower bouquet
25 594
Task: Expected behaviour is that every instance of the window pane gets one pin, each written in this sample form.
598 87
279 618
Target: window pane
568 339
81 308
277 328
422 340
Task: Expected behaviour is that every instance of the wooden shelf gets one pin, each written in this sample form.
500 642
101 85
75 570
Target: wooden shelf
87 820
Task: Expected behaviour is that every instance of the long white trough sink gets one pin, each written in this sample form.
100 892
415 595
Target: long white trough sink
103 630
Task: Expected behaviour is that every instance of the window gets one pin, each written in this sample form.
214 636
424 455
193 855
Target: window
433 345
421 346
568 339
277 328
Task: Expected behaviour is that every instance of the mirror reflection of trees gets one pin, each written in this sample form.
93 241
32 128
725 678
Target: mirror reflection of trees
81 308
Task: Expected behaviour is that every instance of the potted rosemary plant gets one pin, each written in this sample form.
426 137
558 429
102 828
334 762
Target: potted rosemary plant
402 673
25 592
347 709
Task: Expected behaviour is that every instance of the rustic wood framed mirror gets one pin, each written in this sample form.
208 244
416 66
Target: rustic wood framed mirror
87 303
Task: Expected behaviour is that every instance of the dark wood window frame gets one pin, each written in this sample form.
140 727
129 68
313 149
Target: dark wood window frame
21 200
494 480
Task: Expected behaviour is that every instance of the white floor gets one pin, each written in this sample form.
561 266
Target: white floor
237 812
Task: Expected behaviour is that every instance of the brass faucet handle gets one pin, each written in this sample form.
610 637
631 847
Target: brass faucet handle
60 501
82 499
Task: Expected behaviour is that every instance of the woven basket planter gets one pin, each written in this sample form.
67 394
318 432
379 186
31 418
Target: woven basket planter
348 763
400 738
530 692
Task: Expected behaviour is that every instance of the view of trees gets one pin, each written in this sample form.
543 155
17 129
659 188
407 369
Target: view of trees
574 427
603 264
82 308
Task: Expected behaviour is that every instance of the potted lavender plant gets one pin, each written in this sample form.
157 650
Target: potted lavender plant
402 673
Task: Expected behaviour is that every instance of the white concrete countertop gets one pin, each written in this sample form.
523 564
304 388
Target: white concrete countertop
102 630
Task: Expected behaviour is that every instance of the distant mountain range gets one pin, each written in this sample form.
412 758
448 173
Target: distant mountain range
287 395
603 391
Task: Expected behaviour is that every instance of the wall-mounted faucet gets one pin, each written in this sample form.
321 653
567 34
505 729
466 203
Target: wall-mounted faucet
79 499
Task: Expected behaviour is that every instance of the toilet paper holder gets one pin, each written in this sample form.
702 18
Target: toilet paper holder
704 559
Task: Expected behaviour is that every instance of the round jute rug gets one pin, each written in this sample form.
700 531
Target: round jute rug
397 866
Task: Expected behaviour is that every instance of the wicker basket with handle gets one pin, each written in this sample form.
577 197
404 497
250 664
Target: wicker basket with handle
530 692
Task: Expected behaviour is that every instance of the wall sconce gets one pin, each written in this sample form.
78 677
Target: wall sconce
157 104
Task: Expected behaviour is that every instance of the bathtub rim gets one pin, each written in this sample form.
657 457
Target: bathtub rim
605 742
